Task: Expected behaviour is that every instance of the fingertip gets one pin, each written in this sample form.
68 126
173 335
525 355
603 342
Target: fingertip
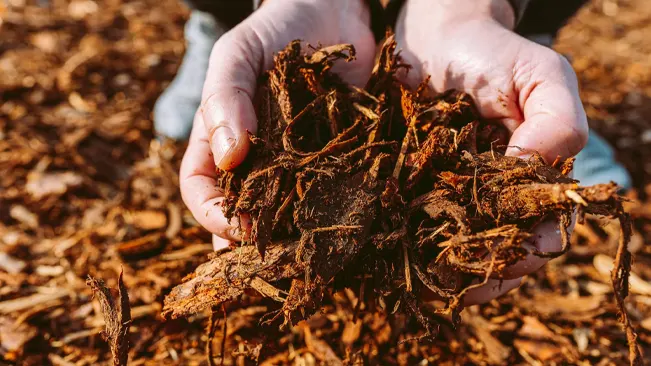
546 237
219 243
491 290
227 100
235 153
229 118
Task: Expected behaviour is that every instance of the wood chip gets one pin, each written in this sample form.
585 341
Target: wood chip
604 264
22 303
13 337
40 185
25 216
10 264
148 220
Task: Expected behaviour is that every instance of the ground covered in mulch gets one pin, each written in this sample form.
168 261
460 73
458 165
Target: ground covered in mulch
85 191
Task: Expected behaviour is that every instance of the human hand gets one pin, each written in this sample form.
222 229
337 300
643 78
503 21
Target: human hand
220 132
469 45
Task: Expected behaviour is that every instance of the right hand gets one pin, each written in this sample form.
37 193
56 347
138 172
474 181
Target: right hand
469 45
220 132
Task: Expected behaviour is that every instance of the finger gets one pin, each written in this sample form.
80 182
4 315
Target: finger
555 123
546 237
491 290
199 186
240 56
219 243
227 101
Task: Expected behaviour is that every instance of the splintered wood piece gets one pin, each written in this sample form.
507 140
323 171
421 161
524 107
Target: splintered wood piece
620 277
227 276
117 316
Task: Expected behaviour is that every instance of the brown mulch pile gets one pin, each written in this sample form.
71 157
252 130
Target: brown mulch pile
85 191
609 47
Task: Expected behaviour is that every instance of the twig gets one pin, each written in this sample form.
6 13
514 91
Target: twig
407 266
403 154
224 334
336 228
475 195
211 336
619 277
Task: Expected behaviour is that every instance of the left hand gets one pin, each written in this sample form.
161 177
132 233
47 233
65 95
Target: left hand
220 136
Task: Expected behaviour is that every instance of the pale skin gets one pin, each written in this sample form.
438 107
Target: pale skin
528 88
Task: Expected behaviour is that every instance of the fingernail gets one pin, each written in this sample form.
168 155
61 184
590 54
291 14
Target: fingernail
222 143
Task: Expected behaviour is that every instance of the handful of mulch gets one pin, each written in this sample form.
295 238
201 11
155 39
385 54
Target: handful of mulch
392 192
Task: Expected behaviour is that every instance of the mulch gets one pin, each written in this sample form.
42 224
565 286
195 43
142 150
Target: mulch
88 196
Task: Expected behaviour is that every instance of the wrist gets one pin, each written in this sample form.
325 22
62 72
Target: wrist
449 12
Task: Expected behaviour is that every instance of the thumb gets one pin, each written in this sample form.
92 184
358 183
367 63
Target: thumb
227 101
555 123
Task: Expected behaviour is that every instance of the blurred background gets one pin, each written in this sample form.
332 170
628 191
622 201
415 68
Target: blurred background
85 189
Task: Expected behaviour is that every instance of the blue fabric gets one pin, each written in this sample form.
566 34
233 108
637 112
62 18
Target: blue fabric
174 110
596 164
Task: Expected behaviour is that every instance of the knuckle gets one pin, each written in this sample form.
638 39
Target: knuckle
227 39
190 202
234 233
207 102
184 184
551 61
561 66
552 58
574 135
568 71
229 48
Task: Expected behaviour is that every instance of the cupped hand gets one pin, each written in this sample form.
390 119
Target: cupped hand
220 132
469 45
